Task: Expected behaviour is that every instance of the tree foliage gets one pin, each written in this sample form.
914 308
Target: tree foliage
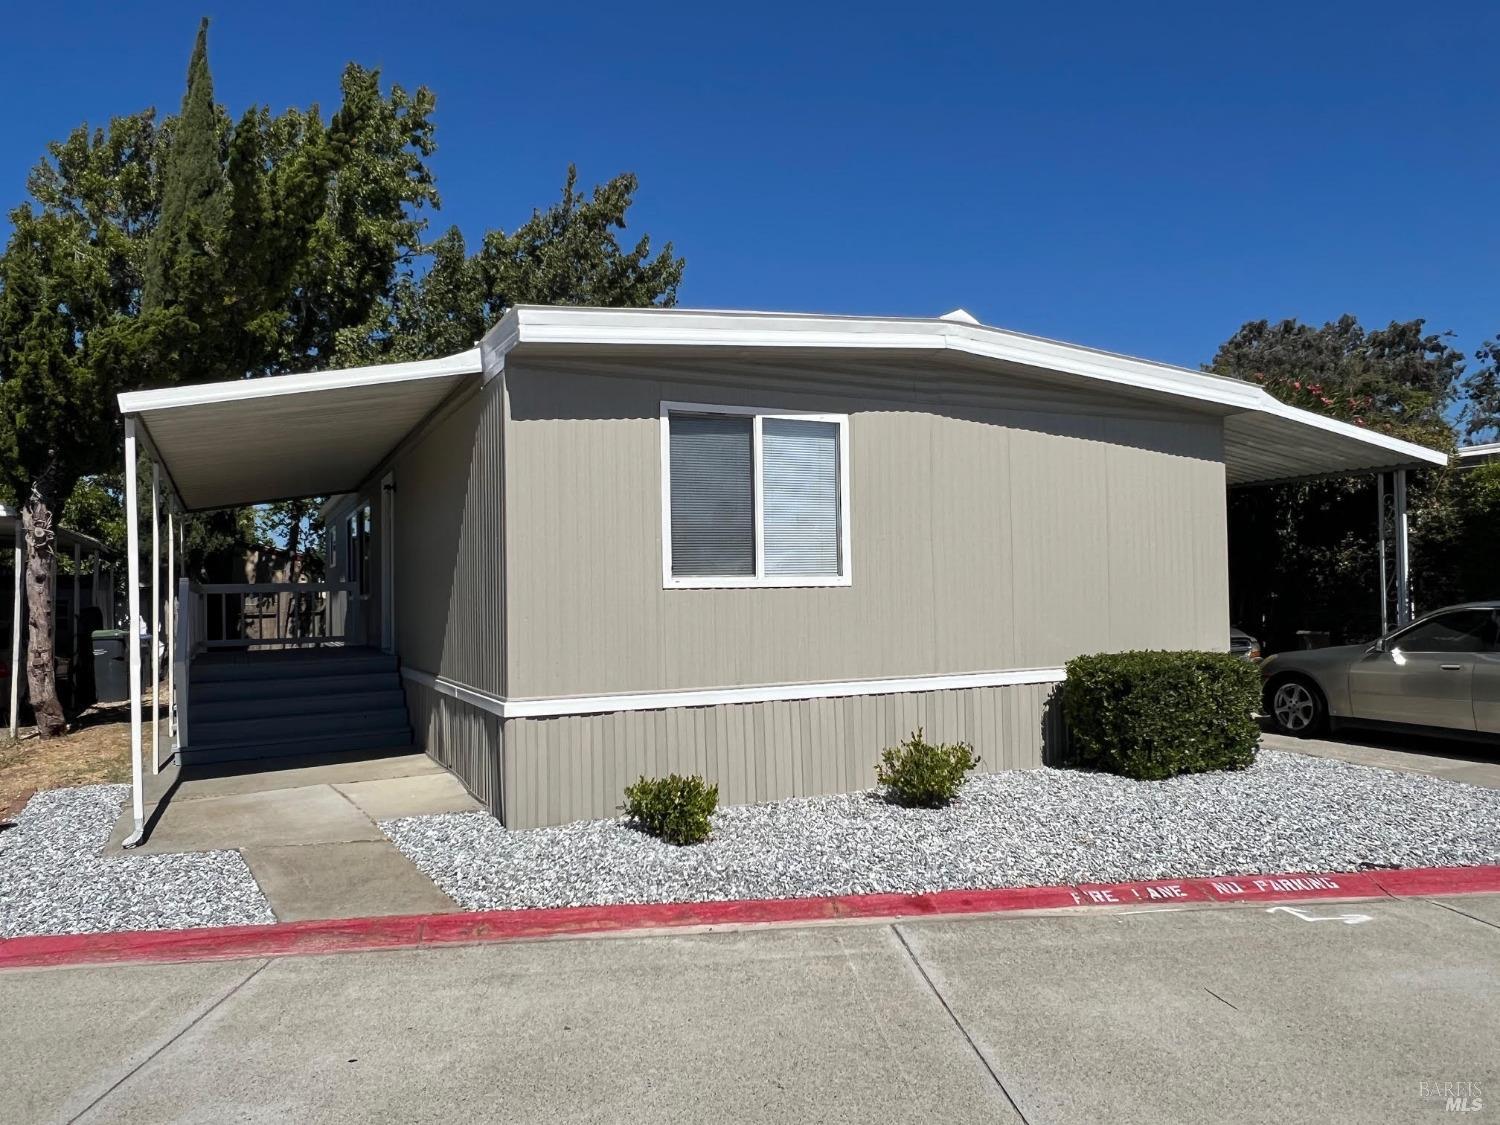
201 247
1480 417
569 254
1305 555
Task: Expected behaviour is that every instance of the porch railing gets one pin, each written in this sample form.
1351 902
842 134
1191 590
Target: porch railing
277 614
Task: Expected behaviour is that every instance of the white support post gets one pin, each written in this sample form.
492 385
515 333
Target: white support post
133 600
1403 554
171 626
1380 540
155 618
94 598
15 641
77 618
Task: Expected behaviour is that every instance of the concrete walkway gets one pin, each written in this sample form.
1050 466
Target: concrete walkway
309 833
1472 762
1371 1011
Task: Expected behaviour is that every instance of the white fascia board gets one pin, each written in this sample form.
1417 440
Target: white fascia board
555 706
691 327
272 386
564 325
498 342
1489 449
1404 449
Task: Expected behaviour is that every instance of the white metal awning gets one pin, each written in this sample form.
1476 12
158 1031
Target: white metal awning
249 441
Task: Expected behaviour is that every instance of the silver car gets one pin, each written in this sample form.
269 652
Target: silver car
1441 671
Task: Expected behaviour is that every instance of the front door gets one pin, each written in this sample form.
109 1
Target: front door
1425 674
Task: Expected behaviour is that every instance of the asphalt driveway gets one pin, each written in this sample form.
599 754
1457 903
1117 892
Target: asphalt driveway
1471 761
1374 1011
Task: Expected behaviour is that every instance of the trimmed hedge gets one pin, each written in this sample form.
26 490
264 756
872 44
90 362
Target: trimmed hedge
923 774
674 808
1151 715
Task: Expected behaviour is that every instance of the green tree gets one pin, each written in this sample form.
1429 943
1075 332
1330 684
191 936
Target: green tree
61 288
569 254
1304 555
201 248
1480 417
183 266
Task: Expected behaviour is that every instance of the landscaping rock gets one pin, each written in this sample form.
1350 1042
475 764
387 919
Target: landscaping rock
54 881
1287 812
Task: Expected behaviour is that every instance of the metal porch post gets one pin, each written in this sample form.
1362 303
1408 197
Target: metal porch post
15 641
77 616
1403 554
1385 601
171 626
133 600
155 619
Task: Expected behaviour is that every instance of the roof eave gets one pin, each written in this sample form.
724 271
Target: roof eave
558 326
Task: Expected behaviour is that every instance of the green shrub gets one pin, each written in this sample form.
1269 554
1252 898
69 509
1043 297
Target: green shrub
922 774
674 808
1151 715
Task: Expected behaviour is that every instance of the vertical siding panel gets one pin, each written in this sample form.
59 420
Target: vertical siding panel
558 770
581 466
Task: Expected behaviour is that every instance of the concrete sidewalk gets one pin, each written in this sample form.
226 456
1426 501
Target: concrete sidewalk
308 833
1225 1014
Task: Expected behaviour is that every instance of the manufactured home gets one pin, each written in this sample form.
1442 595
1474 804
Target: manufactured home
755 546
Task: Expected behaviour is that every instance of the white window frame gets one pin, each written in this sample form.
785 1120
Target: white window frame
760 579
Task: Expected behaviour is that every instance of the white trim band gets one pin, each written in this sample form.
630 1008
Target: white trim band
556 706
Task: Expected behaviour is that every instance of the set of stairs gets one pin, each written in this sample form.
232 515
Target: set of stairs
291 704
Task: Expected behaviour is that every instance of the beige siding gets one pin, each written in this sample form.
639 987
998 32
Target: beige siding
448 553
464 739
995 526
576 767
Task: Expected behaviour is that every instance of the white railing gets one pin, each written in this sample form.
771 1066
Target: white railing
277 614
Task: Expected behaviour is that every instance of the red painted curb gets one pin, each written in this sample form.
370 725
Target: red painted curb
351 935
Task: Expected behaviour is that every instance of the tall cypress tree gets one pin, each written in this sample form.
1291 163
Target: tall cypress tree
182 264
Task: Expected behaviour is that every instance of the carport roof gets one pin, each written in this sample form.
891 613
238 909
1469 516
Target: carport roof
254 440
249 441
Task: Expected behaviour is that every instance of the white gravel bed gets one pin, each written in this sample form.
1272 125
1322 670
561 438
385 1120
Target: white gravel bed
1288 812
54 881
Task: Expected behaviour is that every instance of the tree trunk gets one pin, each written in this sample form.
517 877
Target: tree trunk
41 664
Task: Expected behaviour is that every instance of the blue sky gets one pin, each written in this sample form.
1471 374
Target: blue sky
1139 177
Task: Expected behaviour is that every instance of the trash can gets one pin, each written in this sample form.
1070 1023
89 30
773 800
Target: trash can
111 665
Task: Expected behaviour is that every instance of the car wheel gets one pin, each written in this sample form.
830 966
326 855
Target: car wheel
1296 707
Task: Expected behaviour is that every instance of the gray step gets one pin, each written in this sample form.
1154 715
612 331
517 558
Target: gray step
279 667
381 740
278 728
289 687
384 697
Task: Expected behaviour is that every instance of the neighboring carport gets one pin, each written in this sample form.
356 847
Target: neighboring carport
12 533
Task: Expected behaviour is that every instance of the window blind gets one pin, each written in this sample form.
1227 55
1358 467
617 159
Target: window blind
713 496
800 476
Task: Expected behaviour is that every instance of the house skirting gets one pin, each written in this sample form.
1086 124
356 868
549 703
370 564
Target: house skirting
534 771
464 738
